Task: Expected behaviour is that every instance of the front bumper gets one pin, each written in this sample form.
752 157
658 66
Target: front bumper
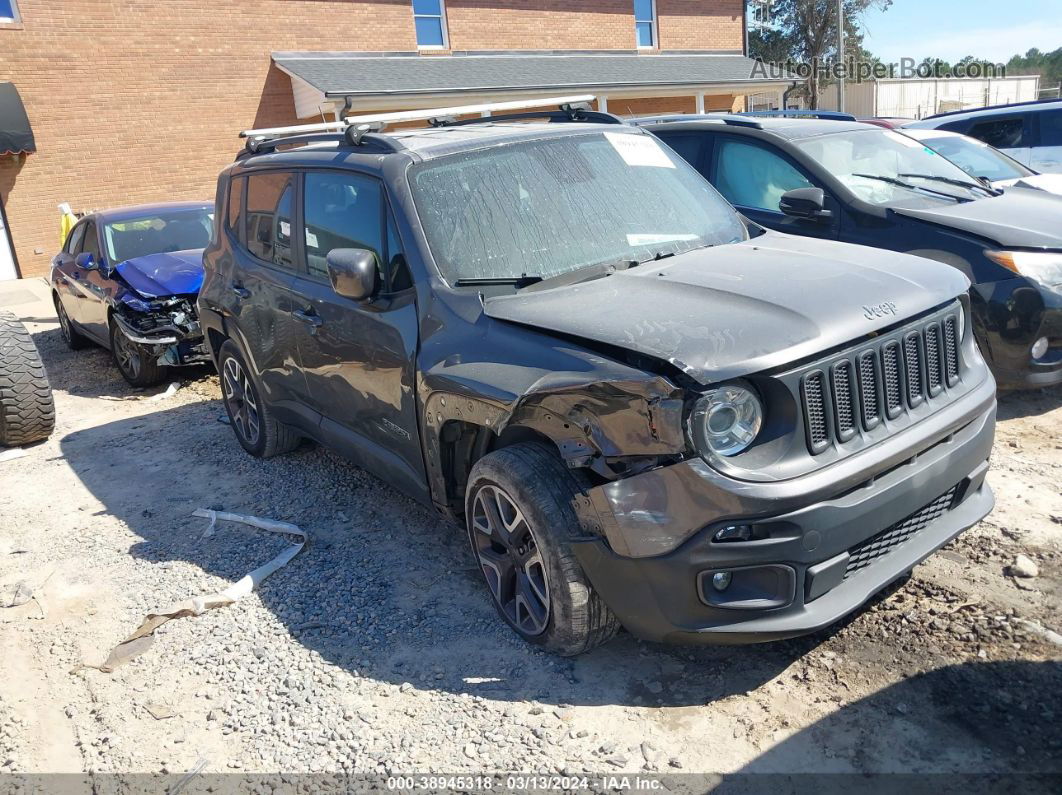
824 555
1016 314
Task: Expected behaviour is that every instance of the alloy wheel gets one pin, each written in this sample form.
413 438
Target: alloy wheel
127 353
511 560
240 400
64 321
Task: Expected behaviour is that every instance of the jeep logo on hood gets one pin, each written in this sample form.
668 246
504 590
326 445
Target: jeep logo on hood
879 310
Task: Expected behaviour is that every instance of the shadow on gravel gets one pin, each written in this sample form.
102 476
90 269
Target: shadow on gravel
1028 403
999 718
386 587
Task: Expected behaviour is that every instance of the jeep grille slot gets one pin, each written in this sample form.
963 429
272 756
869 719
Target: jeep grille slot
912 359
868 390
951 349
844 411
815 411
890 364
854 393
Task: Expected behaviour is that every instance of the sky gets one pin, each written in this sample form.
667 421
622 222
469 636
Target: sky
951 29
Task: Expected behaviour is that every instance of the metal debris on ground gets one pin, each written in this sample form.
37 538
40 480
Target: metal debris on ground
141 640
171 390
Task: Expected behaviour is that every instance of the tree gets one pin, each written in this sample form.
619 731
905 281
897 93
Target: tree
806 31
1046 64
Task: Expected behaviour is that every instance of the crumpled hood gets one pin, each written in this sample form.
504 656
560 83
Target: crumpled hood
161 275
735 310
1019 218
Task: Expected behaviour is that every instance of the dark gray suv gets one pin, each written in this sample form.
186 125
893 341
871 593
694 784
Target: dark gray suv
646 411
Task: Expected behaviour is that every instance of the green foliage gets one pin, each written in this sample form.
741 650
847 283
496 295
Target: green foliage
1046 64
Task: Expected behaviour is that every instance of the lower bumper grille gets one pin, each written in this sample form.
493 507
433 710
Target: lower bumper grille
890 538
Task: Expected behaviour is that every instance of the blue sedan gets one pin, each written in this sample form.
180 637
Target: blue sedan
127 279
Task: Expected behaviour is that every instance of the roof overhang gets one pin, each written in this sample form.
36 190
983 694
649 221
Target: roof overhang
324 81
16 135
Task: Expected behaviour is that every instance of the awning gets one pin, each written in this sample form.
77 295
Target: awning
367 78
16 136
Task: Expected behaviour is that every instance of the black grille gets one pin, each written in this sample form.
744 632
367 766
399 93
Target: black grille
879 384
890 538
842 400
815 411
912 360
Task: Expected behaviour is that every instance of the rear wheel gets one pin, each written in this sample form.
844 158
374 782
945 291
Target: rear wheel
256 429
27 412
520 519
135 362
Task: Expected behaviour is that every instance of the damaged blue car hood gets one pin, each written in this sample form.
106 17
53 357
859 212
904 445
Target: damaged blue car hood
161 275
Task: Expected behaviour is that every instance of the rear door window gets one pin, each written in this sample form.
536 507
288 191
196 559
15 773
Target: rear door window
750 175
270 217
234 217
1006 133
1051 128
91 243
73 243
689 146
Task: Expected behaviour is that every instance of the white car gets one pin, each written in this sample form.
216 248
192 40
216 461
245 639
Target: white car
978 159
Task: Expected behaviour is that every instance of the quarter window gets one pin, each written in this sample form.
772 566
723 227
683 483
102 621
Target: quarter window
1000 133
270 204
645 23
9 11
429 17
752 176
341 211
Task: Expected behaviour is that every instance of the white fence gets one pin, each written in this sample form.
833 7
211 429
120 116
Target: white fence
916 99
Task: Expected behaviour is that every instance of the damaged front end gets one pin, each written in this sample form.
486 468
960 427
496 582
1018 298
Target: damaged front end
167 327
156 306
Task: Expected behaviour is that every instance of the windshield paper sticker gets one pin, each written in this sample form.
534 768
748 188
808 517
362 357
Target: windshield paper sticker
639 150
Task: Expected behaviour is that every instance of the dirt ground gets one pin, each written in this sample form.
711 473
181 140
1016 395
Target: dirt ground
377 651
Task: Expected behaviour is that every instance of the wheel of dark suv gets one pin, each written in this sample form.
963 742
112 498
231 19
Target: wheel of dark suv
256 429
27 411
74 340
520 516
134 362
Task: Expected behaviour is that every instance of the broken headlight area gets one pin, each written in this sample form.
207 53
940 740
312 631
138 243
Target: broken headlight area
167 326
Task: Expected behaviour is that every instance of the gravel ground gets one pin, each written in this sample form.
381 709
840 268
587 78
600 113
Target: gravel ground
377 649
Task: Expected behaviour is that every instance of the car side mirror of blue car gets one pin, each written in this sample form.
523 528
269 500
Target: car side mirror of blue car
805 203
85 260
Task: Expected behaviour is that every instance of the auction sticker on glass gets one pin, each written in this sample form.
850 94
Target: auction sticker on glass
639 150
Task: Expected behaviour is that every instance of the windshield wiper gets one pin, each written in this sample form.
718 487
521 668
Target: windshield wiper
909 186
518 281
958 182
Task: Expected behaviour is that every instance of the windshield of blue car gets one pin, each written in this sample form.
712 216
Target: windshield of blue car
551 206
172 230
885 167
976 157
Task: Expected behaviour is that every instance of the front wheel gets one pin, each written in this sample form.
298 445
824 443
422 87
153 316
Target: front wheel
134 361
520 517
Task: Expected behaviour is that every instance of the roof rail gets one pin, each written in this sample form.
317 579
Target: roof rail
831 115
379 120
568 112
1004 106
352 136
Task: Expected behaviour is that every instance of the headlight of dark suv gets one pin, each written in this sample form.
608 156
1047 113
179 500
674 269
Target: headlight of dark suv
726 420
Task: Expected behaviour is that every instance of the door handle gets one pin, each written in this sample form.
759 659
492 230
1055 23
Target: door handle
310 318
240 290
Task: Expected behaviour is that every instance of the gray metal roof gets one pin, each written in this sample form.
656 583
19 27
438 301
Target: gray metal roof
357 74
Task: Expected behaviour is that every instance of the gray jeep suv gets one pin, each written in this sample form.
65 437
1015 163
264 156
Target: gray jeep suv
646 411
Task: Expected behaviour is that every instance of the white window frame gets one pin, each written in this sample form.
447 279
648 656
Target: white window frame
17 17
654 28
442 24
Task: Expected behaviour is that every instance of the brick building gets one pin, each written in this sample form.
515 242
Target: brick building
135 101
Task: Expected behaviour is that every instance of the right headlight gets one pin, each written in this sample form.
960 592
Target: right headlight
726 420
1044 266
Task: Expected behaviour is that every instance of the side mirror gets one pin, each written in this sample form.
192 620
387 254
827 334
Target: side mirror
352 272
85 260
805 203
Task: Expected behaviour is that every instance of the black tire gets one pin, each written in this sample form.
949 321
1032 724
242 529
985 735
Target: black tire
256 429
27 411
537 483
134 361
73 338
